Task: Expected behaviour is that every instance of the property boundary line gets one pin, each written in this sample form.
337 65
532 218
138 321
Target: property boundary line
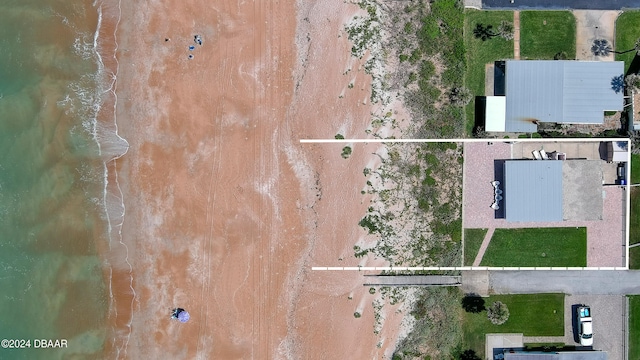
459 268
627 188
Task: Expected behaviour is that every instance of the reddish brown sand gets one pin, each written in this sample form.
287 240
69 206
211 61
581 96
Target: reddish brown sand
226 212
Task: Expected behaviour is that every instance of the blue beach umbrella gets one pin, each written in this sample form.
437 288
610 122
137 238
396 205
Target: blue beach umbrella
183 316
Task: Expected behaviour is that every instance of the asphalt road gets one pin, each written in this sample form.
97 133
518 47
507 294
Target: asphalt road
561 4
596 282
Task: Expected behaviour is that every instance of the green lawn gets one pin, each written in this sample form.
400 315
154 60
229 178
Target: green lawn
635 168
472 241
634 217
627 32
634 327
479 53
537 247
543 34
634 258
531 315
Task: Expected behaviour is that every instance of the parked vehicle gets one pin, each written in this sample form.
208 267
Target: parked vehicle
585 326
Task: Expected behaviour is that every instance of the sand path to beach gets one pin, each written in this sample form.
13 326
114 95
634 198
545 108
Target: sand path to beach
226 211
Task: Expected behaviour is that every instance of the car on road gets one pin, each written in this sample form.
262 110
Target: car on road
585 325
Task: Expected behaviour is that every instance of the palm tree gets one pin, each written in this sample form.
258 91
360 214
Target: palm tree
484 32
632 82
636 48
601 47
617 83
505 30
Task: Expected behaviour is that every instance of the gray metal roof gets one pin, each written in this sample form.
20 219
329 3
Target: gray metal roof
533 190
573 355
562 91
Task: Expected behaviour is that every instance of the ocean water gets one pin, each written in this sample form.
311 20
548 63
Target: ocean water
57 137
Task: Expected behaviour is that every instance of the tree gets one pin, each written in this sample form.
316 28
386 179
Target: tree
484 32
505 30
498 313
473 303
617 83
632 82
469 355
460 96
636 48
560 56
601 47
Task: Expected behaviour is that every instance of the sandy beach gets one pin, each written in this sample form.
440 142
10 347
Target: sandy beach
226 212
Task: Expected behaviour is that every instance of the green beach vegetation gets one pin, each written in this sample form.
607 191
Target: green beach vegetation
416 214
438 331
537 247
546 34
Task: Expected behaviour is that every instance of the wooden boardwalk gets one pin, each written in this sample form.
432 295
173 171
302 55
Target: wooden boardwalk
412 280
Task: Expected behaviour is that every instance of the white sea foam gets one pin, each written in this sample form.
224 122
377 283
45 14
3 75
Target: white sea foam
89 95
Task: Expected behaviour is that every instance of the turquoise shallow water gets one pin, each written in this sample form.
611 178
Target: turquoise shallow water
52 221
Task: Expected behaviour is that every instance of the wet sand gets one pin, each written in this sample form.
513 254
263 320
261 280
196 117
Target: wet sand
226 211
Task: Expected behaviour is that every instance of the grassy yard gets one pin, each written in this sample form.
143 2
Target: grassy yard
634 258
627 32
479 53
543 34
634 217
634 327
472 241
531 315
635 168
537 247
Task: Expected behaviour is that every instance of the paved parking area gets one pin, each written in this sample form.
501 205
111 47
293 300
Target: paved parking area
608 322
591 25
605 238
560 4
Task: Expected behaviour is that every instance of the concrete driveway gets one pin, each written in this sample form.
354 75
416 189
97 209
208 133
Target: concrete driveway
600 282
561 4
608 312
591 25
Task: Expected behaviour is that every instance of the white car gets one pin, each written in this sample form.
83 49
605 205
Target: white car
585 326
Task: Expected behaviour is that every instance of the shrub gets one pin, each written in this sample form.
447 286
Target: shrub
346 152
356 315
498 313
473 303
469 355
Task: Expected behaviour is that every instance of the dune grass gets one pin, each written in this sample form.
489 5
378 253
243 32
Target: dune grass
472 241
537 247
543 34
531 315
479 53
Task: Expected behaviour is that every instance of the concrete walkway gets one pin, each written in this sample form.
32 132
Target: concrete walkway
543 339
516 35
484 246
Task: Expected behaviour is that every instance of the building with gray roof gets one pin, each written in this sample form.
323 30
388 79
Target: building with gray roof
556 91
552 190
